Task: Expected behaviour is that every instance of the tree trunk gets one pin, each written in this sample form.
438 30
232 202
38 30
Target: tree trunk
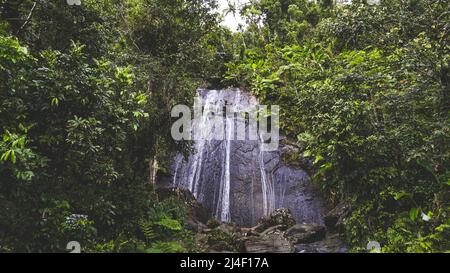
153 168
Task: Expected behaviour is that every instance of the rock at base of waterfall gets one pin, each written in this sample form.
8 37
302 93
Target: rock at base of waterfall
306 233
229 228
334 220
280 217
331 244
268 243
195 225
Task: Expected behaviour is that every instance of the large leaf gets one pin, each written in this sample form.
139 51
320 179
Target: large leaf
414 213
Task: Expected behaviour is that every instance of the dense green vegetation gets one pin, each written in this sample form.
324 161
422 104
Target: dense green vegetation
85 97
86 93
365 90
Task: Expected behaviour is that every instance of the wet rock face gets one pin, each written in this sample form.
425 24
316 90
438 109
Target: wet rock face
238 182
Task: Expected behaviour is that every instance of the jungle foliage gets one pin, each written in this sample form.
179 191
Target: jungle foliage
365 90
85 99
86 93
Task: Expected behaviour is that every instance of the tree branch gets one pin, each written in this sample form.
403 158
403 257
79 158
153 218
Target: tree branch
27 21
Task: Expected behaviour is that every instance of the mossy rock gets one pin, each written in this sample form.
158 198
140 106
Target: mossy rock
280 217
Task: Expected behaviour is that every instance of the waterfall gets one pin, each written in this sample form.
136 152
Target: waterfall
225 193
267 185
201 129
236 180
178 160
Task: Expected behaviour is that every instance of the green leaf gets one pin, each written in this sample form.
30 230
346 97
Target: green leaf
55 102
23 50
318 159
401 194
170 224
414 213
13 157
166 247
5 155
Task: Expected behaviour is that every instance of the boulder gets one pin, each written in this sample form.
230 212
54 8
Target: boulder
195 225
306 233
279 217
268 243
213 223
228 228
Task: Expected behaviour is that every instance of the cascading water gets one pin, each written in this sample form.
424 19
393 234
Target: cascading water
267 187
225 193
236 180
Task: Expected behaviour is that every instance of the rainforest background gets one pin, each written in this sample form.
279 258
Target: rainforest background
86 92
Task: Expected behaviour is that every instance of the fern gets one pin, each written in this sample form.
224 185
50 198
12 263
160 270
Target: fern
166 247
147 229
170 208
153 230
163 229
169 224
